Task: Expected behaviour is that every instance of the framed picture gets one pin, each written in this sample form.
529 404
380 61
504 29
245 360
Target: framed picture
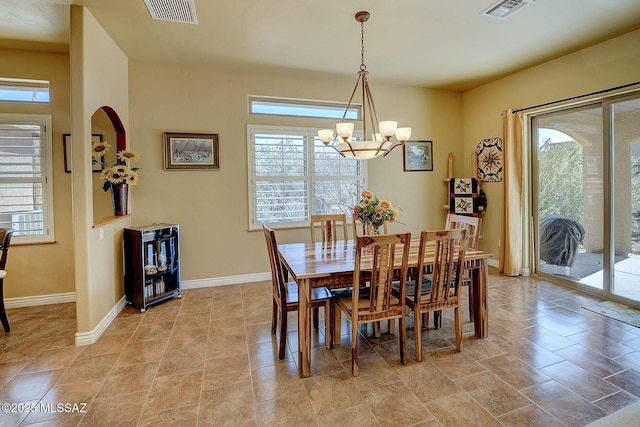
96 164
418 156
191 151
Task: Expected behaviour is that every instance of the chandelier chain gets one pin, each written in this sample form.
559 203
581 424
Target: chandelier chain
362 66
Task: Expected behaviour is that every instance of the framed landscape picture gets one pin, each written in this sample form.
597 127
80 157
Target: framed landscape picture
191 151
418 156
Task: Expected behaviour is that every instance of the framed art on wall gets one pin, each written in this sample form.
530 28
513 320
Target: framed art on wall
96 164
418 156
191 151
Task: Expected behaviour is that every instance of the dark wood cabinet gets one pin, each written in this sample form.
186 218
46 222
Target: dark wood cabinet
151 264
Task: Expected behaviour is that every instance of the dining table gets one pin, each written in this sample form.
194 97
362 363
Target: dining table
332 265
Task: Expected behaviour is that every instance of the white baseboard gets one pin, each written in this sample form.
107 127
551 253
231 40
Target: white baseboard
493 263
222 281
86 338
187 284
40 300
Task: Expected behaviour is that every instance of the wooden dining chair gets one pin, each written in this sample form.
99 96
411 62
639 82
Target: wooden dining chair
472 225
375 255
441 289
329 226
285 297
362 229
5 241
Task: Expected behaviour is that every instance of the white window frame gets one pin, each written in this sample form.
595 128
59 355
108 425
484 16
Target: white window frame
274 106
46 176
37 88
310 178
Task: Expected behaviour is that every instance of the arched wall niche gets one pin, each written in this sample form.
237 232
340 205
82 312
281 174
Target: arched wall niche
106 122
121 135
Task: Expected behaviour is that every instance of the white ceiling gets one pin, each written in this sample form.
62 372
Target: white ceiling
439 44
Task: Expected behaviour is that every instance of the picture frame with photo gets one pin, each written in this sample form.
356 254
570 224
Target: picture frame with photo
185 151
418 156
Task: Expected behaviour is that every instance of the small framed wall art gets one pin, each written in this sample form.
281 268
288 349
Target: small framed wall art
418 156
191 151
96 164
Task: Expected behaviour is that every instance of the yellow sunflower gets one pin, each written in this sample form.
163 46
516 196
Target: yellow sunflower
120 169
384 205
126 155
105 173
395 215
99 149
132 178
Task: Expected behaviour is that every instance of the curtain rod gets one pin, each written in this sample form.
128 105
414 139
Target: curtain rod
577 97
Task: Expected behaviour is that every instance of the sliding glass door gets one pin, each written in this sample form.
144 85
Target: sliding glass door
586 197
625 121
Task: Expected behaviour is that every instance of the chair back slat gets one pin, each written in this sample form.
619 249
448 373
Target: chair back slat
278 282
448 260
379 251
469 223
329 226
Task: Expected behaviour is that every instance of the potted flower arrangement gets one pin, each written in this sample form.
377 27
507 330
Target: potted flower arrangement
373 212
118 177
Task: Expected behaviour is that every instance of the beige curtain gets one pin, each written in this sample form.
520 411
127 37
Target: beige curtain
511 236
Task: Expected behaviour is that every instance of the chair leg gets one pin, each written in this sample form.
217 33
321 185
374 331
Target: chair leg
471 303
328 328
403 339
337 325
354 346
283 335
376 329
437 319
417 329
274 317
458 326
3 313
316 316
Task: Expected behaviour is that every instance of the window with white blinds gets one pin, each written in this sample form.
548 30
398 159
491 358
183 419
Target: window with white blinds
292 175
26 202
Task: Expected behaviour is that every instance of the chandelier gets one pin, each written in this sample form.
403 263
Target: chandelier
378 142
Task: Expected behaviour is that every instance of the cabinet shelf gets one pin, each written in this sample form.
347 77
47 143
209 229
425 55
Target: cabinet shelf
146 251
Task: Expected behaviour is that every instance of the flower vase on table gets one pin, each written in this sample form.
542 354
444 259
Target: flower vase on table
373 212
118 177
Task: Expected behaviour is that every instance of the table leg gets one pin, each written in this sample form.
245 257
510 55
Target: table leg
304 328
480 279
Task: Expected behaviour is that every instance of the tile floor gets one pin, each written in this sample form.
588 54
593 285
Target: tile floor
209 359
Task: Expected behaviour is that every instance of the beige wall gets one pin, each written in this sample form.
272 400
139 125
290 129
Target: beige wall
610 64
211 207
44 269
99 78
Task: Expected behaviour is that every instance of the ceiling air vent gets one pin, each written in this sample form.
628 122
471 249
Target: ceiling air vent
173 10
505 8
